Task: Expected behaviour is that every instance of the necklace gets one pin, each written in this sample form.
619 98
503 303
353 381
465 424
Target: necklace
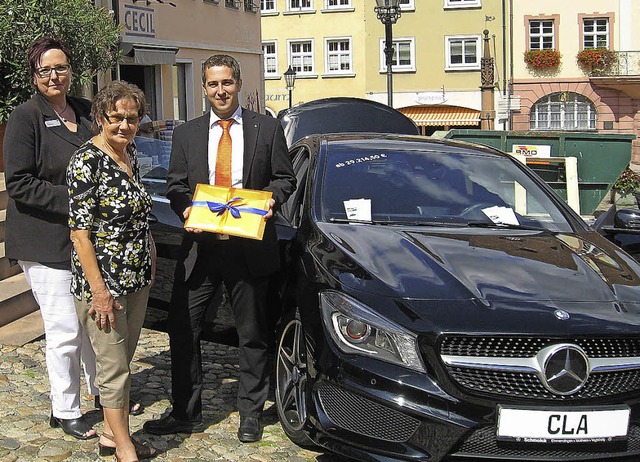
59 114
119 158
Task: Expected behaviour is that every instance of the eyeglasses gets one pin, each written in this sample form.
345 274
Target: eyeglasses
117 119
45 72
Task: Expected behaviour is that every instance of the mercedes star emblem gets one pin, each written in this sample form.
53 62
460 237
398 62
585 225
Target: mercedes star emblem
565 368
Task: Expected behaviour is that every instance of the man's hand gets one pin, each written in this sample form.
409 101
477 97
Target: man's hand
185 214
270 211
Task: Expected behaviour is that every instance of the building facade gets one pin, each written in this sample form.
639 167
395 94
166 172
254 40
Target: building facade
595 86
164 44
336 48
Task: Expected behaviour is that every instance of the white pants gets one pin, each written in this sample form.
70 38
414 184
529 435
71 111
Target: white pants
67 343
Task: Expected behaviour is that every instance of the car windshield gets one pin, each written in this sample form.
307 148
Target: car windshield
394 186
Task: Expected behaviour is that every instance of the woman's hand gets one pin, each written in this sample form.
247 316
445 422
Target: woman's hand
102 308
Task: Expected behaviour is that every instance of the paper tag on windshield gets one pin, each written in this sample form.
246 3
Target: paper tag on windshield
501 215
358 209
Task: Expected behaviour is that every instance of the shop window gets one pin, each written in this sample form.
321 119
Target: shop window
563 111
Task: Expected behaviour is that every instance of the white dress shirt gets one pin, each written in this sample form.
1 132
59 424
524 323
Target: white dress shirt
237 147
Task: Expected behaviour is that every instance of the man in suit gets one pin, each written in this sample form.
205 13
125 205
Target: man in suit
259 160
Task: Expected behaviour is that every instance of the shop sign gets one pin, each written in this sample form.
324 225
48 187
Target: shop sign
277 97
139 21
529 150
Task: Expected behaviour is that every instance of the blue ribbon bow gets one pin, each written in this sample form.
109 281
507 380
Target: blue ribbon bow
220 208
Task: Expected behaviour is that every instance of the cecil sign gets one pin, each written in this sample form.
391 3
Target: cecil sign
138 21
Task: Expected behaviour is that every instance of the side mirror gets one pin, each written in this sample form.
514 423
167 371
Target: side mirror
627 219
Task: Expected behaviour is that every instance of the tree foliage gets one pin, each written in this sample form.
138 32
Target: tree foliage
90 32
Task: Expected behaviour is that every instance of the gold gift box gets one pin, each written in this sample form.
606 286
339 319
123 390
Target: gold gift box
232 211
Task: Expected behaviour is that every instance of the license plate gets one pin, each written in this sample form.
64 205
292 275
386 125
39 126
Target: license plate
578 425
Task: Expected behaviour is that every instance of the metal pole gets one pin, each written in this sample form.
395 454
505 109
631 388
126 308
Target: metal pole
290 92
388 52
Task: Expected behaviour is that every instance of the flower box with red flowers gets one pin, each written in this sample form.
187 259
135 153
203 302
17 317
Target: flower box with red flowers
542 59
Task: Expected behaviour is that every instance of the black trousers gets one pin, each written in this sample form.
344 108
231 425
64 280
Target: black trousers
221 262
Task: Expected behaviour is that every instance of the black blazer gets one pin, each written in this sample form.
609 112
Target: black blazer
266 166
37 148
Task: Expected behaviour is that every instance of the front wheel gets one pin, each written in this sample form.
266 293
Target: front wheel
292 383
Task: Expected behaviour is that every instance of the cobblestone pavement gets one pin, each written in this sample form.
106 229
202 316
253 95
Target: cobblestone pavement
25 434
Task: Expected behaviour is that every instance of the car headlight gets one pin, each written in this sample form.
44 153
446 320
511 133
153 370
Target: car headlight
357 329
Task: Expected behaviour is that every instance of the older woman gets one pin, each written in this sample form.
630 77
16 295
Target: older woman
41 136
113 256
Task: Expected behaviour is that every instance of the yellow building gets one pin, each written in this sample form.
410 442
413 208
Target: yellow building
165 43
337 47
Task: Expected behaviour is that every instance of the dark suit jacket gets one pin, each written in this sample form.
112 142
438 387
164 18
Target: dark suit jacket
37 148
266 166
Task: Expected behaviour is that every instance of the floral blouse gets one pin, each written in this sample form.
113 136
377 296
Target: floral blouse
115 208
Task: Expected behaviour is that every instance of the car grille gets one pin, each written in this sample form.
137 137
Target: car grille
527 384
523 347
482 442
365 417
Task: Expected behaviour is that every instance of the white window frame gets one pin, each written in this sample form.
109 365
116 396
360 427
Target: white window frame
266 56
292 56
407 5
339 4
540 36
595 33
550 113
449 4
264 7
339 54
300 5
462 66
397 67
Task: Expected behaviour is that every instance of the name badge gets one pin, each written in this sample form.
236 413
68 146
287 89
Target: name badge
52 123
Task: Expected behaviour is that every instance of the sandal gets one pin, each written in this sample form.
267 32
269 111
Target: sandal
134 409
78 428
143 450
116 458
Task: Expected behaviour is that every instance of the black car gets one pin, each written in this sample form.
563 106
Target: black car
343 114
444 302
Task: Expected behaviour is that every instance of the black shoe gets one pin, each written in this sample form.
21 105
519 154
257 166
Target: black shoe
169 424
250 430
78 428
134 408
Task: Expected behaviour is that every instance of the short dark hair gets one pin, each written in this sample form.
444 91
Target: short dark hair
40 46
222 60
106 99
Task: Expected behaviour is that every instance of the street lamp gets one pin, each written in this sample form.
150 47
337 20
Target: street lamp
388 12
290 81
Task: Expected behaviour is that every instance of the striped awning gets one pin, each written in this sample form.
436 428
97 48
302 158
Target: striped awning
442 115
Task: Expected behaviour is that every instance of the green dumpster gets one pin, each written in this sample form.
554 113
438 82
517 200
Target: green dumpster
601 157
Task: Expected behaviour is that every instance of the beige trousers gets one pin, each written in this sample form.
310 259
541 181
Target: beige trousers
114 348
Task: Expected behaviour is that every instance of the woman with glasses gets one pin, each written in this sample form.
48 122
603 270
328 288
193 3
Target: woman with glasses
40 137
113 259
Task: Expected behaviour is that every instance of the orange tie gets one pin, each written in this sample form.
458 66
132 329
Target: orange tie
223 158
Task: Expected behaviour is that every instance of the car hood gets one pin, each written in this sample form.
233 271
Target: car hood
486 265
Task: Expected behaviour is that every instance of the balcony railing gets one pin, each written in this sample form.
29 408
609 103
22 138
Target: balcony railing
626 64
